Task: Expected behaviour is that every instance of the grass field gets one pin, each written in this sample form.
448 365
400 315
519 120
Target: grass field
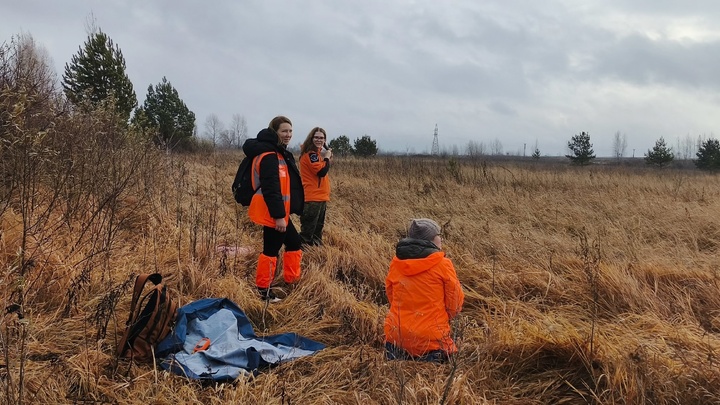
583 285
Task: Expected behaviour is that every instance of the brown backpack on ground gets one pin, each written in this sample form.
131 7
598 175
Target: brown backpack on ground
151 319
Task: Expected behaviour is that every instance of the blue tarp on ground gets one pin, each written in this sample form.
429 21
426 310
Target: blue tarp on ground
234 349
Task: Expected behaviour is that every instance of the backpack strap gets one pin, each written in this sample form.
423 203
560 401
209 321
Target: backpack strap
140 281
162 320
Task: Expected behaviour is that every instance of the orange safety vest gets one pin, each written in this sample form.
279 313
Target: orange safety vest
258 210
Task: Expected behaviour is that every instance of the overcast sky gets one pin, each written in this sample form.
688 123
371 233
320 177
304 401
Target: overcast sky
518 71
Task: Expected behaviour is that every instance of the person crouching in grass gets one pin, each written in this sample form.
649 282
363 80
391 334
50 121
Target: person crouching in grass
424 295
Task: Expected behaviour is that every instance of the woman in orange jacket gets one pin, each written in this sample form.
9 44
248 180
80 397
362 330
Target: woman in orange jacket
315 161
280 194
424 294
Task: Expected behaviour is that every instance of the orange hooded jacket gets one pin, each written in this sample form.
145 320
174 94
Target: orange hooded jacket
424 294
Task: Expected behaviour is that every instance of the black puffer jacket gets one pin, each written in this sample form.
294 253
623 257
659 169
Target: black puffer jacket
410 248
267 141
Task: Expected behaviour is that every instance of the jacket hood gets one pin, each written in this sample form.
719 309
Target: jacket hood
413 256
266 141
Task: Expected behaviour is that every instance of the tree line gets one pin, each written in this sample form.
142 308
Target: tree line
708 154
96 76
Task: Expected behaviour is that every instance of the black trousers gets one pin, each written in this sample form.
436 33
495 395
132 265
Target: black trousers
393 352
273 240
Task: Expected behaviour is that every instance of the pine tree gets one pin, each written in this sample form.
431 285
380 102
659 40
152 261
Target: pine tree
97 73
341 146
660 154
165 111
365 146
708 155
581 149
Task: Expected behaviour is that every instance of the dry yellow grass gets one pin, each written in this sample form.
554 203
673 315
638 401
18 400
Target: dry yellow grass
583 285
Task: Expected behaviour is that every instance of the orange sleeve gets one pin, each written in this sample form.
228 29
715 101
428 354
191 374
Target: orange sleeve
454 296
388 289
312 162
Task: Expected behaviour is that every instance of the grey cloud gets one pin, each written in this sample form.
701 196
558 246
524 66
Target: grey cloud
520 70
643 61
502 108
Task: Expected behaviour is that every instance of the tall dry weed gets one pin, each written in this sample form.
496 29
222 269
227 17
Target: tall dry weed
542 322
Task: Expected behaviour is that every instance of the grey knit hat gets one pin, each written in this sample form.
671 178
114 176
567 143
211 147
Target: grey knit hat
423 228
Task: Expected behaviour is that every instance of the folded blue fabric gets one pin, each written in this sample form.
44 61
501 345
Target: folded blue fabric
234 348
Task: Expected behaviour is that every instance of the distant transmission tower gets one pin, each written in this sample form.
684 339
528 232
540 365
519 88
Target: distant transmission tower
436 146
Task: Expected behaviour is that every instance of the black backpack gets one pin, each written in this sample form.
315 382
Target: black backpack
242 186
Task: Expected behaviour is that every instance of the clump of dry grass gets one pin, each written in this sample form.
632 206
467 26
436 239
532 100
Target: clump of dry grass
541 323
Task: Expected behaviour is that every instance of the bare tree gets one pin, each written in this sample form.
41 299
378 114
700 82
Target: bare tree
444 151
699 144
59 170
475 149
226 138
686 148
619 145
213 128
238 130
692 147
496 148
27 67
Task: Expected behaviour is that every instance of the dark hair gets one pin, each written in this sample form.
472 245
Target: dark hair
308 145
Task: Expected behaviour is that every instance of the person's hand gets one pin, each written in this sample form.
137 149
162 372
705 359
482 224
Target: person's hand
327 154
280 225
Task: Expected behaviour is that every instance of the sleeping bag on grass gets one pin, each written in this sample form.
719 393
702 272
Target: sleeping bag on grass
213 340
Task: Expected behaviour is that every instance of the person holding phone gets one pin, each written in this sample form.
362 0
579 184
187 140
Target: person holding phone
315 159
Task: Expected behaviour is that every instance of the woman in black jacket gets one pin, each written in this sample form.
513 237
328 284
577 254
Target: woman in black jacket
280 194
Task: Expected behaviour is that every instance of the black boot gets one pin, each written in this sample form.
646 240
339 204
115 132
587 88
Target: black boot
266 294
